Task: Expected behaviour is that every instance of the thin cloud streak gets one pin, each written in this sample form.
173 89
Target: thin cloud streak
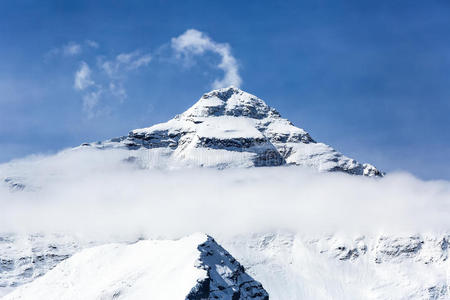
125 62
92 44
71 49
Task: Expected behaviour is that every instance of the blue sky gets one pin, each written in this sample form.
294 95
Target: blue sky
370 78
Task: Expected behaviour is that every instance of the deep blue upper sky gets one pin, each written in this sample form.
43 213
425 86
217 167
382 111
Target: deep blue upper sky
370 78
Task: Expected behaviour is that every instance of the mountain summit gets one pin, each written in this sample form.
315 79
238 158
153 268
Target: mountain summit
231 128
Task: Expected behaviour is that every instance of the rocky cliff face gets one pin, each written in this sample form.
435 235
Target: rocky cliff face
229 128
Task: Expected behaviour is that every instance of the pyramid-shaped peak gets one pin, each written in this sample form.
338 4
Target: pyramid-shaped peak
230 101
231 128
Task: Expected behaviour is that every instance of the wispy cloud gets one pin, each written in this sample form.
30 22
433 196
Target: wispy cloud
92 44
90 101
194 42
71 49
91 91
83 77
118 68
117 89
111 72
112 84
125 62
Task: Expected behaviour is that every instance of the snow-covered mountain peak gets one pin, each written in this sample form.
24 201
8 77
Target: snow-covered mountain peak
231 128
230 101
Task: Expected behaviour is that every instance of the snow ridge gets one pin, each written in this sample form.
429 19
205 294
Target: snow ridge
148 269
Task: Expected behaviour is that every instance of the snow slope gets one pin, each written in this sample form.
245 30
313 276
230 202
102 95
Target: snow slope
293 266
194 267
288 265
231 128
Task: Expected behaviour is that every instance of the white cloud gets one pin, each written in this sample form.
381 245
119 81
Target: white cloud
117 89
71 49
140 62
83 77
96 191
112 85
109 68
125 62
90 101
92 44
118 68
111 73
125 58
91 90
196 42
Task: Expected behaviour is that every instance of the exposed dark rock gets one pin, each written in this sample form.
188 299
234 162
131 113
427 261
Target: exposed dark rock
226 278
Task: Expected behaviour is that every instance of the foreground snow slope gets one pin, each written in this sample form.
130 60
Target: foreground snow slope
288 265
231 128
195 267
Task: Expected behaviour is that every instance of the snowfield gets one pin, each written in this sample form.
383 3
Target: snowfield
190 268
294 266
142 270
279 214
289 266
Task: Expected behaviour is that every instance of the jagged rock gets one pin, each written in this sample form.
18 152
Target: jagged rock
392 248
226 278
14 184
